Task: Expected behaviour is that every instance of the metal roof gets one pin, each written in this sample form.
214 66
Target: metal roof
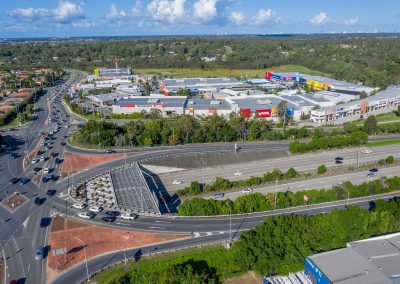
370 261
261 102
150 101
206 104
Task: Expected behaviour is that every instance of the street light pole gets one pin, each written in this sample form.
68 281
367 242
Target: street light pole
84 250
358 157
276 192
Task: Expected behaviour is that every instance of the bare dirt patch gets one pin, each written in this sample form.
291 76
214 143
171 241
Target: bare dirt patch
14 201
248 278
74 162
97 240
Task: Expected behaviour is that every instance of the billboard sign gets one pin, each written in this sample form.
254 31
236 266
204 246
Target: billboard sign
315 274
129 105
264 112
290 111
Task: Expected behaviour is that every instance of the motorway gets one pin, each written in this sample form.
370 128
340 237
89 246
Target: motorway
20 232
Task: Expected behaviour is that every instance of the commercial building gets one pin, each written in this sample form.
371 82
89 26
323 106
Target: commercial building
369 261
108 72
382 102
207 107
263 106
168 105
200 85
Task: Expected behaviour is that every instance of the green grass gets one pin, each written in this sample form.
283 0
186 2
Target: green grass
387 117
190 72
216 257
383 143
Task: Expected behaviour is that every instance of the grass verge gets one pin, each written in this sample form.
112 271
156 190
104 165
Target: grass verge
216 257
383 143
190 72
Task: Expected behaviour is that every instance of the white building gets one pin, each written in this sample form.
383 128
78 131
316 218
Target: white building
383 102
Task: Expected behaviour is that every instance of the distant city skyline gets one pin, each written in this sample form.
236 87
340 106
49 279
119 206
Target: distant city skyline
75 18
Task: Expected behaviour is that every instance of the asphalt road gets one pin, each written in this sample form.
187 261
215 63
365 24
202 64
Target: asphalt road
20 232
225 233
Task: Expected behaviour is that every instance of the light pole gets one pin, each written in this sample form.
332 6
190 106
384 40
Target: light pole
276 192
126 238
358 157
84 250
202 172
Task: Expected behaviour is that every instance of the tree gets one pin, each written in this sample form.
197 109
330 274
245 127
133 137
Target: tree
321 169
397 112
363 95
282 113
390 160
370 125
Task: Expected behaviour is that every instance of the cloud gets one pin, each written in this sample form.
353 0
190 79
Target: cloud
169 11
66 11
352 21
237 18
320 18
114 13
136 9
84 24
263 16
205 10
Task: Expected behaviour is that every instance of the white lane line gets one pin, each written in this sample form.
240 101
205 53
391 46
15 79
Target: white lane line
209 233
161 228
166 222
196 235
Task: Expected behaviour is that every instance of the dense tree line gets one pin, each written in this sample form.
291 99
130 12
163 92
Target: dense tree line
278 246
338 141
182 130
372 59
256 202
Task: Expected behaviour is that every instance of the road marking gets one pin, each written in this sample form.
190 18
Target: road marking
25 223
161 228
166 222
209 233
196 235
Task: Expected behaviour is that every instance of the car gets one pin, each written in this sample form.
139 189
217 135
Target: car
374 170
39 254
63 143
95 209
108 219
175 182
14 180
238 173
36 169
86 215
38 201
44 222
58 161
370 175
46 171
366 151
23 181
52 154
13 282
247 190
218 195
34 161
42 158
339 159
111 213
51 192
14 155
44 180
338 162
79 205
109 151
128 216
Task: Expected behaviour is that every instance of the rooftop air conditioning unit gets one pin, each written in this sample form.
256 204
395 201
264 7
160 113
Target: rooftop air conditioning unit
215 102
264 102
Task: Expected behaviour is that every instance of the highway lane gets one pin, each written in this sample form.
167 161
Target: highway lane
324 182
239 224
13 227
303 163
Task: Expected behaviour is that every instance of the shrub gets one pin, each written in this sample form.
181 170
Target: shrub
321 169
390 160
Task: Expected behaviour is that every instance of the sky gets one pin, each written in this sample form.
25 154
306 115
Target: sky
75 18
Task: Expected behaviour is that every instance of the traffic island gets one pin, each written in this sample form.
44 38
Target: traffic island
74 163
13 201
71 240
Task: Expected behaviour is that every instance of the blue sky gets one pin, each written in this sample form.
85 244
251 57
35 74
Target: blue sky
62 18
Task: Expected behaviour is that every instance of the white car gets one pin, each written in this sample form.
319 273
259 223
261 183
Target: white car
79 205
42 158
46 171
85 215
34 161
247 190
95 209
175 182
366 151
238 173
128 216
